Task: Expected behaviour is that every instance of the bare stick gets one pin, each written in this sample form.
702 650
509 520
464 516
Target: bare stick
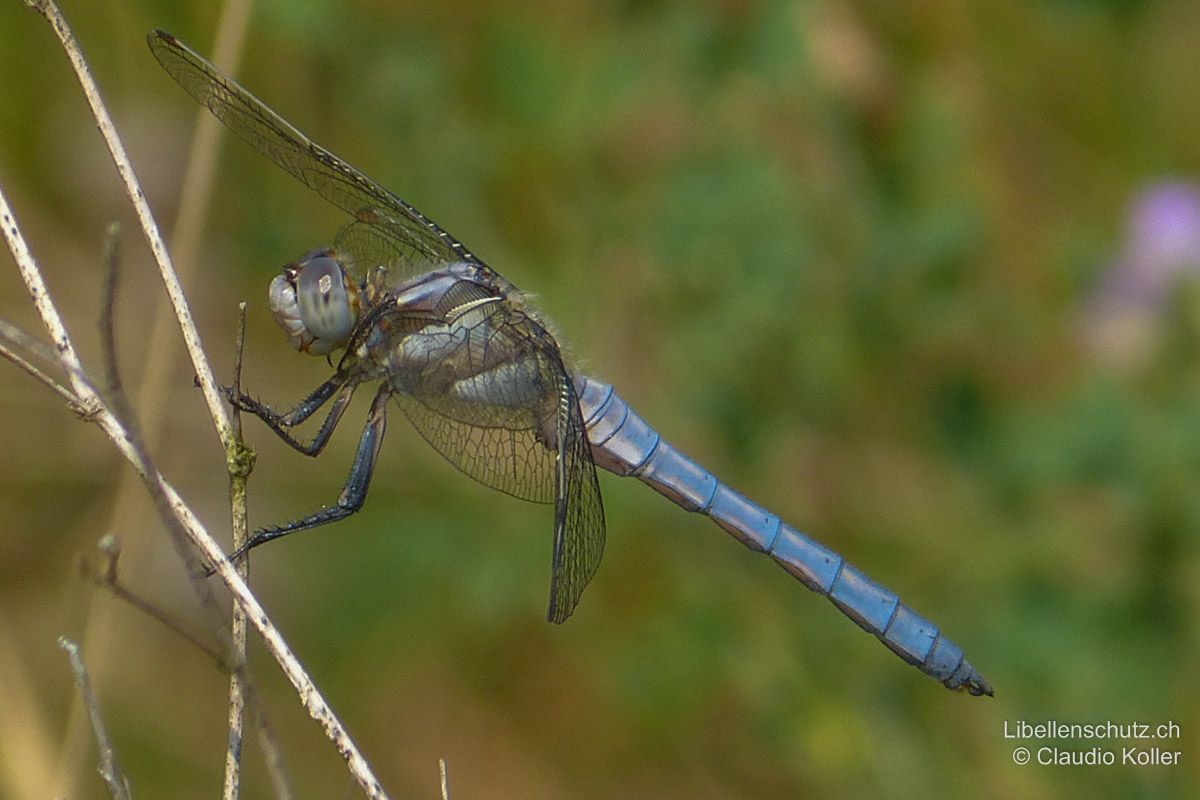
116 149
160 367
108 307
118 406
44 305
239 684
272 754
118 786
239 471
239 347
107 578
198 187
87 398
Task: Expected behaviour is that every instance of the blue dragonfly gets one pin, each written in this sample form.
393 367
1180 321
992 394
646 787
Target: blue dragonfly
463 353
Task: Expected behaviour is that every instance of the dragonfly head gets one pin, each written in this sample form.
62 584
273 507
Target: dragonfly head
315 303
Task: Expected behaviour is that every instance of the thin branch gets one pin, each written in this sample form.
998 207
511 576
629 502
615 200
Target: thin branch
237 706
114 390
239 470
119 407
107 578
272 754
232 660
179 517
198 187
181 523
108 307
239 347
118 785
45 306
191 337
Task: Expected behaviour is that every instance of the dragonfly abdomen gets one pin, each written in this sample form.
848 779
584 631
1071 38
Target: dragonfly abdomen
623 443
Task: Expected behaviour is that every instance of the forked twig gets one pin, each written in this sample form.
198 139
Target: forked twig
107 577
23 350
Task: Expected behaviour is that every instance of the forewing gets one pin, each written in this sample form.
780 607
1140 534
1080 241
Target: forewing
317 168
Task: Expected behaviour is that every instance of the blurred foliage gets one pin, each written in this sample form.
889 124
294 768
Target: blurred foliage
842 253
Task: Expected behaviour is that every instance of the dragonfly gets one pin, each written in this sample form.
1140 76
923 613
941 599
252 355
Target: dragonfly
477 372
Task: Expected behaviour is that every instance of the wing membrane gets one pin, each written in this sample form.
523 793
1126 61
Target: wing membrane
511 461
579 511
317 168
509 417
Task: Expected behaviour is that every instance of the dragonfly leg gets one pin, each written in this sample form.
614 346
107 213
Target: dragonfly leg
355 491
281 423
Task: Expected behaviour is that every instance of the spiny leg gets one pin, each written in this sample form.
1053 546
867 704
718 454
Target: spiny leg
281 423
355 491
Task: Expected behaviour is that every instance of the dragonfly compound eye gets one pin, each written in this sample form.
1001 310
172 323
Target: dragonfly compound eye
326 309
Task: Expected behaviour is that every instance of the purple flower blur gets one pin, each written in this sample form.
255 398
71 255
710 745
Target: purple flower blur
1161 243
1162 246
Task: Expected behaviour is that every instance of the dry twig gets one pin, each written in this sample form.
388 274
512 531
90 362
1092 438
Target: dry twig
118 785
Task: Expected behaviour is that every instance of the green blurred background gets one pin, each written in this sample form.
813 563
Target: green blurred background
856 258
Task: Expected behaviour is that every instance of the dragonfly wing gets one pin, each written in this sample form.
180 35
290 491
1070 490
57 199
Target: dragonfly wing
579 511
517 462
364 248
481 390
317 168
510 460
495 399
